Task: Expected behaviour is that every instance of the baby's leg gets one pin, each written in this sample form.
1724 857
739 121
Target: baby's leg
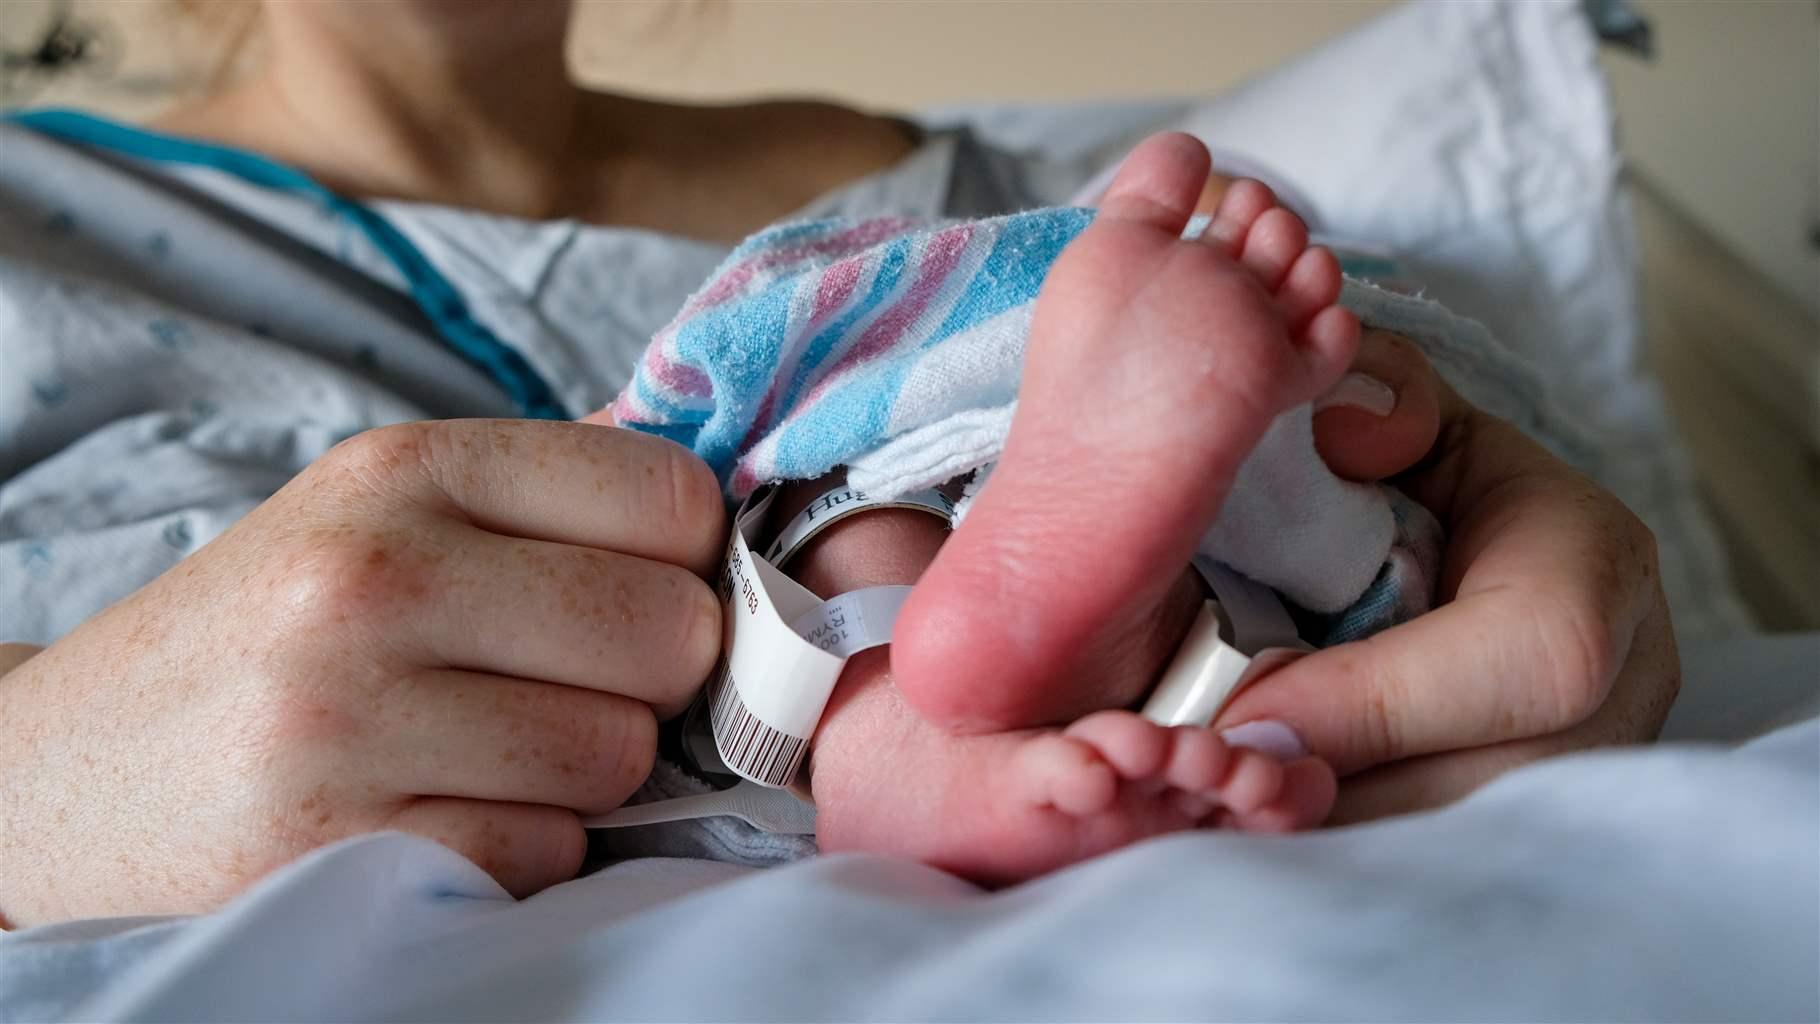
1006 806
1154 367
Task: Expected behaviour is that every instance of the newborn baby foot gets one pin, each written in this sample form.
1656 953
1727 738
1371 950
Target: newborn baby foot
1154 367
1003 807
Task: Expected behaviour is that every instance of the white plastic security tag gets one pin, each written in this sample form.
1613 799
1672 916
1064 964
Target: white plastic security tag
1209 669
853 622
1203 675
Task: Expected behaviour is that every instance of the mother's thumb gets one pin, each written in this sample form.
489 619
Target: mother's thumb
1383 416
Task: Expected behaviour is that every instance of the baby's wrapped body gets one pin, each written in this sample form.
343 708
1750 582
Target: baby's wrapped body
891 353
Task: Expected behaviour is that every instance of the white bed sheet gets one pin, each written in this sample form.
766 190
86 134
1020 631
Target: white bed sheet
1679 883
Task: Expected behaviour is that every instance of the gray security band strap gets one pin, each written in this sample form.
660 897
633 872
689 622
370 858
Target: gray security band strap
840 502
1255 612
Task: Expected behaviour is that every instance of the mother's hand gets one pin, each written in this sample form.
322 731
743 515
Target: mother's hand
1552 634
465 630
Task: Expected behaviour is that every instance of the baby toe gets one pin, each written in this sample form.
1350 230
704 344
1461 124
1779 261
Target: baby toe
1244 202
1311 285
1067 774
1198 760
1159 183
1137 747
1330 341
1253 781
1305 799
1274 242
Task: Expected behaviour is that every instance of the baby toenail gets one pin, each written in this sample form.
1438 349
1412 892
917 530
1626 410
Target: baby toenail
1359 391
1267 737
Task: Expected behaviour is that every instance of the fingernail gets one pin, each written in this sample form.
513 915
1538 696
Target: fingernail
1359 391
1267 737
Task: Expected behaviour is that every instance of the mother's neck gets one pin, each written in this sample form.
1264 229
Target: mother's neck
470 105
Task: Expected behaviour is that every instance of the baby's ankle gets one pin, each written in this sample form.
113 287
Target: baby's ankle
881 547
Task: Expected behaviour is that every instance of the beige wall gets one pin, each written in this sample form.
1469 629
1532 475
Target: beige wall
1726 118
1726 121
907 53
889 54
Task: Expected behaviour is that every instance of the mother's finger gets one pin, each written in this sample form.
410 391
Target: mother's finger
1638 706
571 483
1383 416
587 618
1482 670
484 737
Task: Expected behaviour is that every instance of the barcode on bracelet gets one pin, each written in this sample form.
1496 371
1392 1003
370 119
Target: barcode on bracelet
750 747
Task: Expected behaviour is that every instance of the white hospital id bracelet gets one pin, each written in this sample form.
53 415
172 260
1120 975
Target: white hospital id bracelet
782 654
785 646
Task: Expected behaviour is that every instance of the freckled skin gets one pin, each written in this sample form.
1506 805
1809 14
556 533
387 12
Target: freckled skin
421 632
